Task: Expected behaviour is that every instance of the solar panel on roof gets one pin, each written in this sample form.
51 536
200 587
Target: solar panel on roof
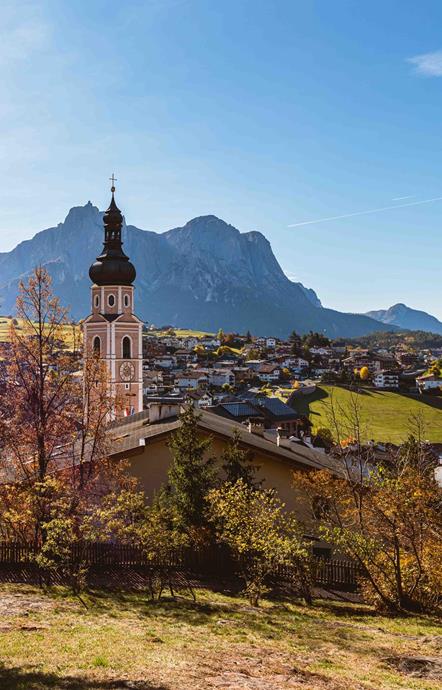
239 409
276 406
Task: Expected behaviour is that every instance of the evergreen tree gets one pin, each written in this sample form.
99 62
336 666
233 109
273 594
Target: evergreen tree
192 473
236 463
296 343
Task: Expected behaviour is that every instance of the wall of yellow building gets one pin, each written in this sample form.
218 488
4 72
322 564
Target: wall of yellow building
151 466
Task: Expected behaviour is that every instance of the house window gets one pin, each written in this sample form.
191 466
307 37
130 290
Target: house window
97 301
126 300
111 300
127 347
97 345
127 386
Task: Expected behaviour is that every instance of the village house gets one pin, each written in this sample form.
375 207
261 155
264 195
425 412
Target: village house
295 364
429 383
171 341
243 375
268 372
268 343
209 343
374 361
386 379
254 364
321 351
271 413
165 362
200 399
191 379
189 343
183 356
143 440
221 377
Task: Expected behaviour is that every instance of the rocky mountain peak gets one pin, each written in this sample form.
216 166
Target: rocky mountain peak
204 275
403 316
82 215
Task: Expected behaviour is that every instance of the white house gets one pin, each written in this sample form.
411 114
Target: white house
200 400
210 343
255 364
165 362
171 341
190 342
269 372
269 343
190 379
386 379
322 351
428 382
297 363
220 377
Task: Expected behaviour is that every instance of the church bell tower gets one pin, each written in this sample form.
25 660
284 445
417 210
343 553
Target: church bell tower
112 331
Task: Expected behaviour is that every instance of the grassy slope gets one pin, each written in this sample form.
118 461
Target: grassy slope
5 324
183 333
385 414
219 642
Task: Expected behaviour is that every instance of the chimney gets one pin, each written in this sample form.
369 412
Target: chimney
159 411
255 427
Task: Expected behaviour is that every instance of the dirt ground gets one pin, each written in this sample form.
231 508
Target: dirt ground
52 641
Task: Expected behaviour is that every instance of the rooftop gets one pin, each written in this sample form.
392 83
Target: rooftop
133 433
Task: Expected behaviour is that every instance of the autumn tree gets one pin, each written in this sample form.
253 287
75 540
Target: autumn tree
260 534
124 515
364 373
52 419
386 515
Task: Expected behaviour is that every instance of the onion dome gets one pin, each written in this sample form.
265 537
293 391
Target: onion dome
112 267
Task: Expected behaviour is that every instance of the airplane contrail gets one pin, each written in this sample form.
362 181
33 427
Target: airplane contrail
364 213
401 198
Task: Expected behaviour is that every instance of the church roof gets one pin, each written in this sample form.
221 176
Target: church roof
112 267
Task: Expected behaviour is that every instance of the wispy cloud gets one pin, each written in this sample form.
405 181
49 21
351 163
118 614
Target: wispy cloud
364 213
427 64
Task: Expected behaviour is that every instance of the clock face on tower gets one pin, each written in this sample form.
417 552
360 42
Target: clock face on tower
127 371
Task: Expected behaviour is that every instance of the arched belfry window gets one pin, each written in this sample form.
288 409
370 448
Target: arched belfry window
126 300
97 345
127 348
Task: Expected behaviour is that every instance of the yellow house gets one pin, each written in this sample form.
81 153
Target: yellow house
143 439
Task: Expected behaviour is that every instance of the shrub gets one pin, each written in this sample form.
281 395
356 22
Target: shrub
261 535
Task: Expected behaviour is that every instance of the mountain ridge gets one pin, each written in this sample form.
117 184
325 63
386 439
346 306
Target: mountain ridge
205 274
403 316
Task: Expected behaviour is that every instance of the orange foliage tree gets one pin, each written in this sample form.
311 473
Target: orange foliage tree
53 416
385 514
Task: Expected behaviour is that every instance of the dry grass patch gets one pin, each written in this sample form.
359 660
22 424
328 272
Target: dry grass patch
125 641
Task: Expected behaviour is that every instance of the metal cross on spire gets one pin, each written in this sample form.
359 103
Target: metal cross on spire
113 179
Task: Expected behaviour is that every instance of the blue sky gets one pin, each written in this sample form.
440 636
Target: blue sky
265 113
